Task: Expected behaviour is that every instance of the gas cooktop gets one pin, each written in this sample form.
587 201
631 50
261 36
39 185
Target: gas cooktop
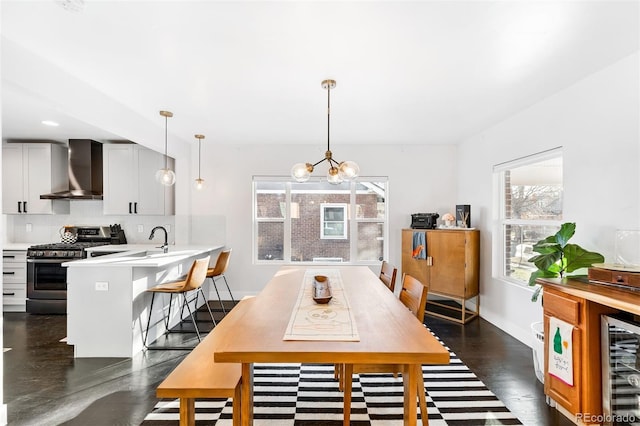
61 250
67 246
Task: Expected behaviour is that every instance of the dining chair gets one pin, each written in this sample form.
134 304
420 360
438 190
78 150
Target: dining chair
414 296
191 283
218 272
388 275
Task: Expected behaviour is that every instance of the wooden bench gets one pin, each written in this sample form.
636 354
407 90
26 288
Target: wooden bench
198 376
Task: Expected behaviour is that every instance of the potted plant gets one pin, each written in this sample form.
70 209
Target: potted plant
557 257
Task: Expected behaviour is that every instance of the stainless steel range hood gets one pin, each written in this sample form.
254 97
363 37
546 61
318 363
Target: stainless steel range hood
85 172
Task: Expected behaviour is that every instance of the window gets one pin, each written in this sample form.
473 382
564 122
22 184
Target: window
319 222
333 221
531 194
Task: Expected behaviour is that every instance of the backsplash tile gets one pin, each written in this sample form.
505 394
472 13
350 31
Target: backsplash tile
45 228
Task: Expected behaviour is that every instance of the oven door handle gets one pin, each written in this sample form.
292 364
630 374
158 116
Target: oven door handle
38 260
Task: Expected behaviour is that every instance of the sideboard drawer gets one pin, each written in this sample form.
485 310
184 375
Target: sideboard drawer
561 307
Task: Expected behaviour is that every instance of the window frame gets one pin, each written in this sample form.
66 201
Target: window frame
352 220
324 221
502 222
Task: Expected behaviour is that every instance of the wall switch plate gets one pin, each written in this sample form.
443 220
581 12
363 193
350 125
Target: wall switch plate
140 228
29 227
102 285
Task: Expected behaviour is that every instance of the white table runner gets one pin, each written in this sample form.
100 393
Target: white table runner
313 321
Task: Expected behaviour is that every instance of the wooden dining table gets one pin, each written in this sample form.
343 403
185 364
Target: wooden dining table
388 333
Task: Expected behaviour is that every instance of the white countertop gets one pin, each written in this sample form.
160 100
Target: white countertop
140 255
17 246
109 248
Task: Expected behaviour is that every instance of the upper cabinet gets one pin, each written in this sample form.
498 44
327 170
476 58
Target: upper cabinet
30 170
129 181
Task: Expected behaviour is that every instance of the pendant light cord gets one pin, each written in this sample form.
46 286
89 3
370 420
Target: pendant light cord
328 115
199 156
166 159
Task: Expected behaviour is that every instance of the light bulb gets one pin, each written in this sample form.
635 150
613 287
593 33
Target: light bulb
301 172
166 177
333 176
349 170
199 184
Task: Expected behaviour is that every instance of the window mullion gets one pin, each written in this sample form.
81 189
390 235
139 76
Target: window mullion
286 250
352 223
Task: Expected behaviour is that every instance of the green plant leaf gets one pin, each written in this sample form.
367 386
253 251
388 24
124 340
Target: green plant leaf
544 246
544 261
541 274
577 257
536 293
558 267
565 233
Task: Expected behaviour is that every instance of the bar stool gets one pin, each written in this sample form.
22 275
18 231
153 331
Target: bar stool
192 283
218 272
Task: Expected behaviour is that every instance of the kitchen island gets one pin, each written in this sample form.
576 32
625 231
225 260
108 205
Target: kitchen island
107 302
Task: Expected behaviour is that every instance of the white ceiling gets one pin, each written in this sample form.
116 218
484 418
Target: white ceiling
250 72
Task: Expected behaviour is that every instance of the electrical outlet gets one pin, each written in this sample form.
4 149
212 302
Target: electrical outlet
29 227
140 228
168 228
102 285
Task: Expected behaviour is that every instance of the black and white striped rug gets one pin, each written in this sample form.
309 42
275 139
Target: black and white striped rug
307 394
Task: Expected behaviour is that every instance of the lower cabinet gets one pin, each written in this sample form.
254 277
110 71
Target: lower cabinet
585 396
14 280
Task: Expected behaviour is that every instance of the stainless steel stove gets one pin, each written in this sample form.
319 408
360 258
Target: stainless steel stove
47 278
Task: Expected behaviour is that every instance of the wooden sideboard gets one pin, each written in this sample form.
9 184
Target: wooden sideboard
581 304
450 270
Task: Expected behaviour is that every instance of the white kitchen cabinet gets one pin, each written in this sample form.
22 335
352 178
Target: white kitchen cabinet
30 170
129 181
14 280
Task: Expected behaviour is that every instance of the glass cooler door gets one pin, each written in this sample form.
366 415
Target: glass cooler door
620 371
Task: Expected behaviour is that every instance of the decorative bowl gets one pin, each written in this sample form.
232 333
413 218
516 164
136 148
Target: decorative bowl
321 291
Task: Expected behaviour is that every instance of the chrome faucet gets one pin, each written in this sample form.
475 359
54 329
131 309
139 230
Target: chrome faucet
165 246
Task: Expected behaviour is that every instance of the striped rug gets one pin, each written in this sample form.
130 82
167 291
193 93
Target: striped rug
307 394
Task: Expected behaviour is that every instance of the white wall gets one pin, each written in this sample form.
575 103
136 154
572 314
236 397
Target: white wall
421 179
596 121
3 225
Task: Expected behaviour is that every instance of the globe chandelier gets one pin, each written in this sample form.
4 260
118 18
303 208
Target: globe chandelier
338 172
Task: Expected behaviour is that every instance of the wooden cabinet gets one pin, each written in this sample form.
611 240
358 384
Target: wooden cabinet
14 280
30 170
585 396
129 181
450 270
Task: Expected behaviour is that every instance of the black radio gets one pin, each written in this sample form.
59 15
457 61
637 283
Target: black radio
424 220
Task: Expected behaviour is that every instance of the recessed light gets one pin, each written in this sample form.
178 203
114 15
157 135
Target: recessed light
71 5
50 123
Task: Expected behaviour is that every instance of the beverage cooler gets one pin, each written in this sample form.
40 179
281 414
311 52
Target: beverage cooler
620 370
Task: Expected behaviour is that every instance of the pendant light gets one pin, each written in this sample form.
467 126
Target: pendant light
166 176
199 183
338 171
